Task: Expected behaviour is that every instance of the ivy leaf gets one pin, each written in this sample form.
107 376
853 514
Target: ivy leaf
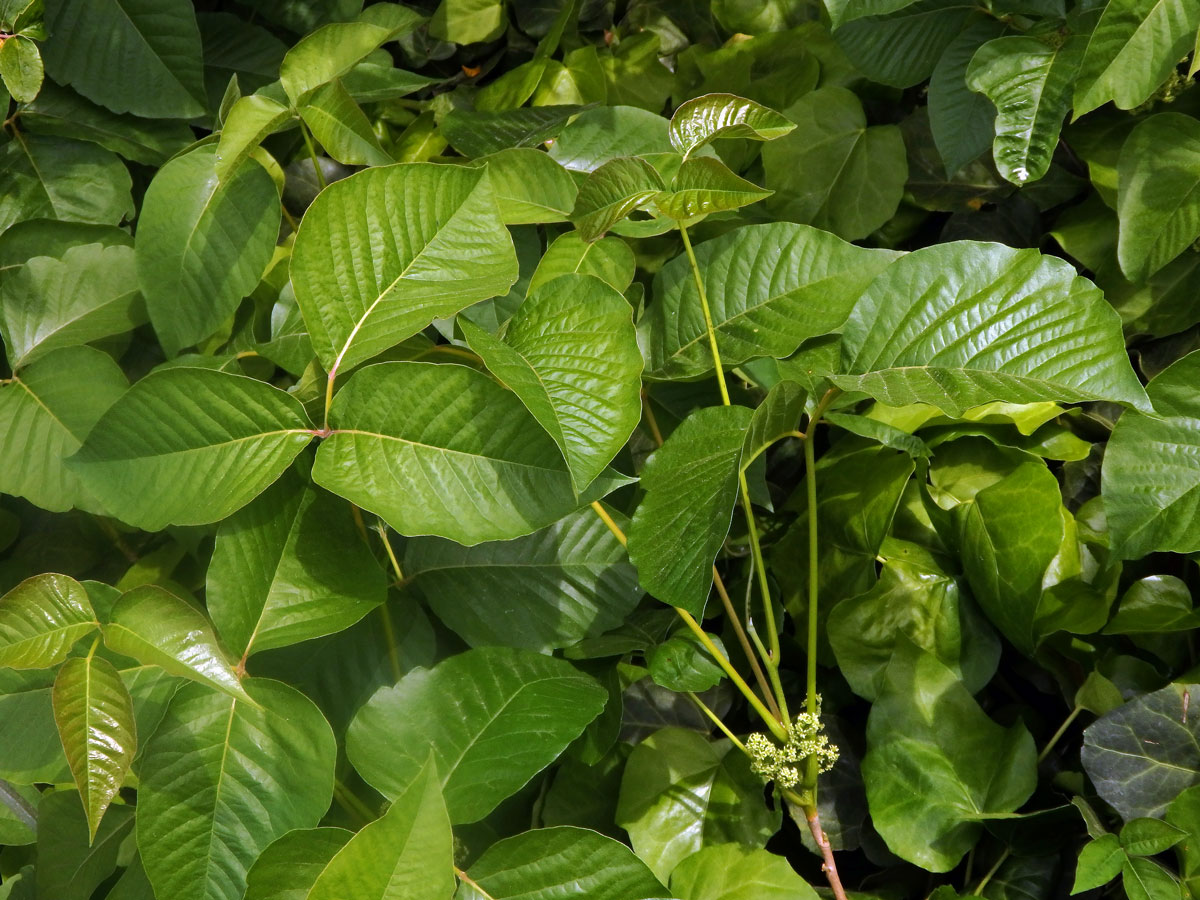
1143 755
158 629
408 852
203 244
189 446
46 410
610 259
713 116
1132 50
1029 81
557 586
737 872
682 792
429 441
150 62
961 324
703 186
41 619
547 863
451 251
229 777
936 764
1153 501
571 355
94 714
1158 193
612 192
1099 863
288 867
691 484
21 68
493 717
90 292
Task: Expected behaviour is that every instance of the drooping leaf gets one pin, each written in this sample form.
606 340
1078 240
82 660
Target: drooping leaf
431 441
612 192
448 252
202 244
961 324
691 484
493 717
1143 755
74 864
1152 501
1158 193
408 852
713 116
703 186
557 586
834 171
530 187
777 416
737 872
248 122
189 446
341 127
1132 50
288 867
94 714
158 629
769 287
610 259
961 122
221 779
46 410
547 863
41 619
682 792
570 354
936 764
681 663
148 63
290 567
90 292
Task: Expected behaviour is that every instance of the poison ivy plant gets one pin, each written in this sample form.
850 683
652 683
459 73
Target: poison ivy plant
693 449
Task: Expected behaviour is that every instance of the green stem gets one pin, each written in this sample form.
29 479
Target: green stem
761 569
466 879
312 154
708 322
990 872
350 802
716 720
1062 729
751 657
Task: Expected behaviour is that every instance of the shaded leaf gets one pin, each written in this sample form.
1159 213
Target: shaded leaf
610 259
703 186
530 187
612 192
737 872
287 868
73 865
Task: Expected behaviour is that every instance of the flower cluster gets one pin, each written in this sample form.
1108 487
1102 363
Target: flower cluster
781 763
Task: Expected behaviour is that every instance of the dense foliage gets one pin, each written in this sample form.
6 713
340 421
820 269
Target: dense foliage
710 450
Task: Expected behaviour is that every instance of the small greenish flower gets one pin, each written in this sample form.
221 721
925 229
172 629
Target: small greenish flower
781 762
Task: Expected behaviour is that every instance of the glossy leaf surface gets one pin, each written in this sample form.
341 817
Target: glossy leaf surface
41 619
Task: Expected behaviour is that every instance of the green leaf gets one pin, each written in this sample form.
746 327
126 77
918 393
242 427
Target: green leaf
961 324
41 619
599 135
158 629
936 764
475 133
21 68
430 442
249 121
1153 500
548 863
1099 863
1143 755
610 259
1149 837
1156 604
56 178
408 852
778 416
769 287
88 293
1158 193
333 50
493 717
1029 81
46 410
341 127
1144 879
222 779
556 586
961 121
288 867
18 814
736 872
612 192
1132 50
149 62
288 567
451 251
189 446
94 714
834 171
713 116
704 186
902 48
691 484
61 112
77 863
842 11
468 21
682 792
202 245
571 355
530 187
681 663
